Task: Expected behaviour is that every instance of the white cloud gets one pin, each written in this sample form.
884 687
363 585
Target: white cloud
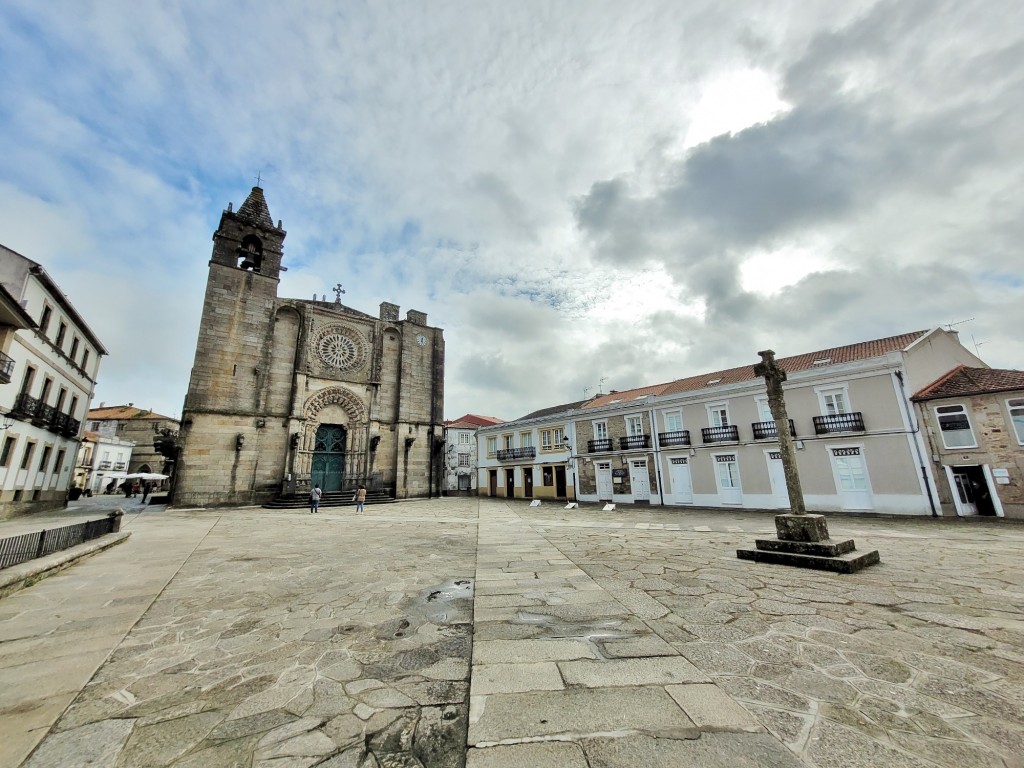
573 191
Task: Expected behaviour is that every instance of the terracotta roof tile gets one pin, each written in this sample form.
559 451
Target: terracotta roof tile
834 356
478 421
123 412
963 381
626 394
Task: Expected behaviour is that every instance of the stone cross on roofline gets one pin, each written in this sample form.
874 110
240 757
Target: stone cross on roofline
338 290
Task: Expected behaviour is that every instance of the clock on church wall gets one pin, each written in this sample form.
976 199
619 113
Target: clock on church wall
340 349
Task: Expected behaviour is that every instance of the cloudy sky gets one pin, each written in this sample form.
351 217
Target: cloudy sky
581 193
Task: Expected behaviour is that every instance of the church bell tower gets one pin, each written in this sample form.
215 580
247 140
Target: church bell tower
233 352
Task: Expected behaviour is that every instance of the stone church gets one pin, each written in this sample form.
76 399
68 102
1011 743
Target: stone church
287 393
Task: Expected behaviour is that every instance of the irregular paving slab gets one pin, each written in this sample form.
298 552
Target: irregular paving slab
656 670
550 755
711 750
580 711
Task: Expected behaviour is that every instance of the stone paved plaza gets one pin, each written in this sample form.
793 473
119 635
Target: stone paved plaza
462 632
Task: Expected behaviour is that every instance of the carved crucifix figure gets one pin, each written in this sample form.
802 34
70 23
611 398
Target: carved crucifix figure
773 377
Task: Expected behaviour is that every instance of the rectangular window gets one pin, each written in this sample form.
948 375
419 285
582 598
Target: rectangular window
27 379
728 471
508 441
44 459
85 358
94 426
62 331
1016 408
526 439
464 438
850 469
718 415
673 421
600 430
27 457
74 347
74 406
557 436
833 402
61 397
764 412
60 461
492 446
44 395
5 455
955 427
44 319
463 459
634 426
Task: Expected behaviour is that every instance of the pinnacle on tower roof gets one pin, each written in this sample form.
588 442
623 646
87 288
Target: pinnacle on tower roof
255 210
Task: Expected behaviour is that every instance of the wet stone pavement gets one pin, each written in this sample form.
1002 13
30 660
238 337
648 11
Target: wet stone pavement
455 632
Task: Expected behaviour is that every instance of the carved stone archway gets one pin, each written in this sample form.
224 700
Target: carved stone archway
356 430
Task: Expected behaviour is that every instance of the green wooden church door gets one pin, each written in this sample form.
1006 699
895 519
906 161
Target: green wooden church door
329 457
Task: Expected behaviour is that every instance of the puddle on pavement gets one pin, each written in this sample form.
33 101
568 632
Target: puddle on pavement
596 633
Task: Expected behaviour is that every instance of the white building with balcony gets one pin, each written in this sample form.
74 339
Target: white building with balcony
102 463
50 374
709 440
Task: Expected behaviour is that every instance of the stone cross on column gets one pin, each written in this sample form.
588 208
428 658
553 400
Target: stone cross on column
338 290
773 377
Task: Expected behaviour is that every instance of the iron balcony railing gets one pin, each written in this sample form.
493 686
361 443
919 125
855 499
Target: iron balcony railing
511 454
6 368
104 465
730 434
28 546
669 439
766 429
597 446
59 423
631 442
71 430
44 415
839 422
119 466
25 406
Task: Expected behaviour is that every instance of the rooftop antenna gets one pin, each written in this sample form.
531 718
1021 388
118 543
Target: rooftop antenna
949 325
259 174
977 345
600 385
586 391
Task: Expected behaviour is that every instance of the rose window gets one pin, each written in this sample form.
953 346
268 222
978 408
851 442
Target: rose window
338 349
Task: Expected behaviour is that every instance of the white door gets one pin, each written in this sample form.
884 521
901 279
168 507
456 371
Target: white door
604 480
966 494
851 478
727 472
679 476
638 480
777 474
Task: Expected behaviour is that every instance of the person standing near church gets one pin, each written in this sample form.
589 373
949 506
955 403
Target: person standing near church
314 500
360 498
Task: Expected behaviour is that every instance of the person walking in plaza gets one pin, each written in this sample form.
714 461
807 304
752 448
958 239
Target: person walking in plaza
314 500
360 497
147 488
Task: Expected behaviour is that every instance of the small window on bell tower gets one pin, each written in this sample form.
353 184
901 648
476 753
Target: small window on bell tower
250 253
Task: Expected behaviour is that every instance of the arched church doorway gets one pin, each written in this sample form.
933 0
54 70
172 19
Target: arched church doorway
329 457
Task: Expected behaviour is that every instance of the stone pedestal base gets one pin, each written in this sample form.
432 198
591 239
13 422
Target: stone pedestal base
803 542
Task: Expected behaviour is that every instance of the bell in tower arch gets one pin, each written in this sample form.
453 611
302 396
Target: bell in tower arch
250 253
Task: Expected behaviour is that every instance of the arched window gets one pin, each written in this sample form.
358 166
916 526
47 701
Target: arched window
250 253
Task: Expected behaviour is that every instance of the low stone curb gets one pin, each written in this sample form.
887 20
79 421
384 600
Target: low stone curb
26 574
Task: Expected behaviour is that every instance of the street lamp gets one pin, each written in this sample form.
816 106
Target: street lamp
571 463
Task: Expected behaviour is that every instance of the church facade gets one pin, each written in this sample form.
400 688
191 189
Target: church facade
288 393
